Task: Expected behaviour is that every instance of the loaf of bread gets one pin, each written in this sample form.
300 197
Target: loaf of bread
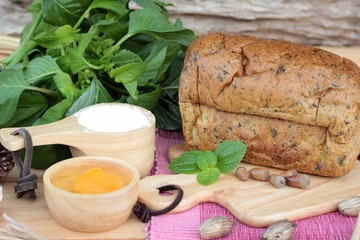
294 106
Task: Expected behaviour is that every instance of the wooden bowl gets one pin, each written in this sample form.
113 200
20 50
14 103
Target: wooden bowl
136 146
92 212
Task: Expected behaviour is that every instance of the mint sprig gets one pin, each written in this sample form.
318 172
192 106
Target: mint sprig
208 164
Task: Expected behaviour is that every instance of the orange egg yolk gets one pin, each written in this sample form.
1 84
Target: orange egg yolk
96 180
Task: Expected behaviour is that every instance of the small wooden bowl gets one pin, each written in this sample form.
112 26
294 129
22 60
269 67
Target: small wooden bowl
92 212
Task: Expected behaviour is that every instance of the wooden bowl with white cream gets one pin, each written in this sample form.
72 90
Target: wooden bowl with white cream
117 130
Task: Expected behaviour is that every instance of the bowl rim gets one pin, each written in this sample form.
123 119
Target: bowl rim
112 160
149 114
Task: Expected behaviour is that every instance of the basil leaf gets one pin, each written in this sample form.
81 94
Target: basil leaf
186 163
208 176
206 160
229 154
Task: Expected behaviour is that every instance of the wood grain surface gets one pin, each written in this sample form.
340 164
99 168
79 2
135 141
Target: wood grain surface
35 214
255 203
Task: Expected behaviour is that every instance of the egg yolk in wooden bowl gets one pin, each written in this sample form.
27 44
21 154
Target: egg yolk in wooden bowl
91 179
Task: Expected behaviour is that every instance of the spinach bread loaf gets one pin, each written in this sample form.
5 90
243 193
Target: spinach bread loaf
294 106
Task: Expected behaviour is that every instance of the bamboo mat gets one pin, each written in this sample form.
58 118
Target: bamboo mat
7 45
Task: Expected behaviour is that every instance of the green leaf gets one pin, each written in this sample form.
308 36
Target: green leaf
77 59
154 22
124 57
128 73
150 20
12 84
95 93
229 154
208 176
57 37
47 155
115 6
184 37
156 5
168 119
186 162
31 104
148 100
55 113
64 62
154 63
207 160
40 68
65 85
64 12
131 87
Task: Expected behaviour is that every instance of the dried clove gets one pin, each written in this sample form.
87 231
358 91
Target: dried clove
242 173
216 227
277 181
298 181
289 173
260 174
350 206
280 230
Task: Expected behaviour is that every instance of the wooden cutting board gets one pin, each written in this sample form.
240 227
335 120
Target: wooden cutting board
255 203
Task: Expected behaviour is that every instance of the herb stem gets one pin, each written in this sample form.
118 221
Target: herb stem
25 46
170 88
42 90
113 48
82 17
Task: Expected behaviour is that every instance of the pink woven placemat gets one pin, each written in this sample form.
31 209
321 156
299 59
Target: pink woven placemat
185 225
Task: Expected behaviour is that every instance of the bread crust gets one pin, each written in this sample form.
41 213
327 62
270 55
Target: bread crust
234 84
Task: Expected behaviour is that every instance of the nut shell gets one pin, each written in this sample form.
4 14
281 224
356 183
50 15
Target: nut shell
280 230
350 206
216 227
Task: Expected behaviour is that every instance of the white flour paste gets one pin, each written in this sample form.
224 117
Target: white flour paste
113 118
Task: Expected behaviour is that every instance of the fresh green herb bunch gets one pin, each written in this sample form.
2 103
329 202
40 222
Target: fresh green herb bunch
77 53
208 164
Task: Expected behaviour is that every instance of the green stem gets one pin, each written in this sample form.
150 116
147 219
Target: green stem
170 88
113 48
43 90
25 46
77 25
93 66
